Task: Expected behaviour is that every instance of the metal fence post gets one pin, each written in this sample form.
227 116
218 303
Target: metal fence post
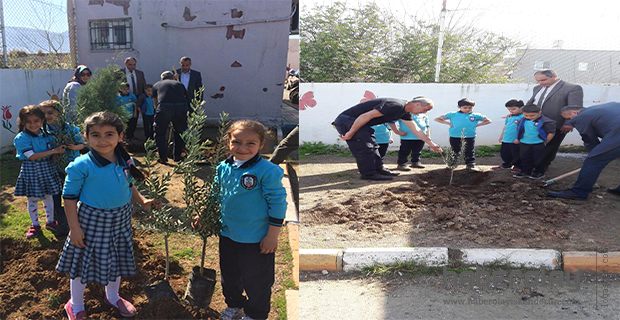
5 61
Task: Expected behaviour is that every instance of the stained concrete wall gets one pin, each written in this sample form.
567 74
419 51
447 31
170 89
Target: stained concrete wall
329 99
258 42
23 87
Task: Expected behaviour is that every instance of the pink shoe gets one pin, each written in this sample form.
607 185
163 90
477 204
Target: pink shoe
124 307
33 231
69 309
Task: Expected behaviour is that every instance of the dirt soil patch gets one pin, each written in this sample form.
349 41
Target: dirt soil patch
486 208
30 288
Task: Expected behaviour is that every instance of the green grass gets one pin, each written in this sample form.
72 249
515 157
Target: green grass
400 268
284 258
14 222
9 169
185 253
571 148
54 301
319 148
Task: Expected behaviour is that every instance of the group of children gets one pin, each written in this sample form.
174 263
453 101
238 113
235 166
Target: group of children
129 101
99 248
524 136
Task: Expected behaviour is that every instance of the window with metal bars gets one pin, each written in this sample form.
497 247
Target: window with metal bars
110 34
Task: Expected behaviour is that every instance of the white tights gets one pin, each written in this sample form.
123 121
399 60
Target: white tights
48 205
77 293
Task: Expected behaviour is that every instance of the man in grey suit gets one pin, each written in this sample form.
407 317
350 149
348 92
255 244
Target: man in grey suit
551 95
599 127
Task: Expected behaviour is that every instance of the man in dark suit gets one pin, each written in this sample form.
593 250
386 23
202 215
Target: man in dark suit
136 81
551 95
599 127
171 101
191 79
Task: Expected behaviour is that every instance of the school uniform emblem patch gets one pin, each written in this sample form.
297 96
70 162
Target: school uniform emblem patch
472 118
248 181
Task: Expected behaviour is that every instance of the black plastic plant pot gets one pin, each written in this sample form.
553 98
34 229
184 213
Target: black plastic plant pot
200 288
160 290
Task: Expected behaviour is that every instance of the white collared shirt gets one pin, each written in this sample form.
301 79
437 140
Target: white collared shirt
128 78
185 79
539 93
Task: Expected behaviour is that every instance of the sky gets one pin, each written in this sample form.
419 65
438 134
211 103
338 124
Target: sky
44 14
588 25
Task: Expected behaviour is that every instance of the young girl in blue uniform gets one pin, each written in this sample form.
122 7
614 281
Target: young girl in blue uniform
253 207
463 124
38 178
64 134
100 245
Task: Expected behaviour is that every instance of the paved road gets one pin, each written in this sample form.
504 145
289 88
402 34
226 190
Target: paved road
480 296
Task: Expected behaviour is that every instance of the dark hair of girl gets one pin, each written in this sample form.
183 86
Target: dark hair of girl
251 125
106 118
28 111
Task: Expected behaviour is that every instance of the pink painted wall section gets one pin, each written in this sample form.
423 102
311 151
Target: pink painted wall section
240 45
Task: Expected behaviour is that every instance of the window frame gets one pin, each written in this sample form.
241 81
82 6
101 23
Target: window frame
111 27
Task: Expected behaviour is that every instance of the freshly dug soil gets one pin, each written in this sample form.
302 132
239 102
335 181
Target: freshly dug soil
30 288
487 208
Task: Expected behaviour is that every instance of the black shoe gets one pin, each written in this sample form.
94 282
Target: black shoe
566 194
377 177
387 172
505 166
163 161
614 191
417 165
519 175
470 166
537 176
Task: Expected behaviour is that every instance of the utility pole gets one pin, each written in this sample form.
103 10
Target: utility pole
5 60
442 18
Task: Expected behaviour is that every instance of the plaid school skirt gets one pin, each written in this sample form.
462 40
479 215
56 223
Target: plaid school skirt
37 179
109 246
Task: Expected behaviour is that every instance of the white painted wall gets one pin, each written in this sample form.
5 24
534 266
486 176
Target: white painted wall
19 88
333 98
253 90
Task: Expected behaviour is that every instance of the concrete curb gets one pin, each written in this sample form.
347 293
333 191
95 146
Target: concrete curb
526 258
357 258
320 259
592 261
353 259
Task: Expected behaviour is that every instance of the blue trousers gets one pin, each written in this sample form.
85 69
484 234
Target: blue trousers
591 169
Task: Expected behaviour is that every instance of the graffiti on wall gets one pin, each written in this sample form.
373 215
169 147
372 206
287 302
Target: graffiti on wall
6 119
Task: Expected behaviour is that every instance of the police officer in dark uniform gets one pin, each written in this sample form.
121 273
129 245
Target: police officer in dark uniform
354 127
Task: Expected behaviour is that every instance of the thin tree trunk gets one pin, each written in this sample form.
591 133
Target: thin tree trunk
167 258
202 256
